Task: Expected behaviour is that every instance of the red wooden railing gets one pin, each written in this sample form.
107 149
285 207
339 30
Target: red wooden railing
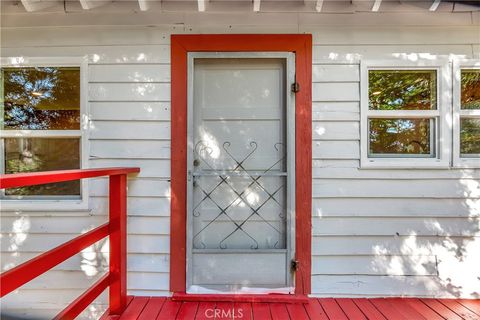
115 228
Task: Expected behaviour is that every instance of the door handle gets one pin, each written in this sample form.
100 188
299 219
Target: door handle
191 177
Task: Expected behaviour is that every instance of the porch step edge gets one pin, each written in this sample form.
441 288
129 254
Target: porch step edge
271 298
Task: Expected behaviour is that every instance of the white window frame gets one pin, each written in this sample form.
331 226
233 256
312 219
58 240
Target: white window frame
442 115
54 203
458 113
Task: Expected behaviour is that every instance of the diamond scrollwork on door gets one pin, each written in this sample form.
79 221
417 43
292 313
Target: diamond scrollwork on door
239 205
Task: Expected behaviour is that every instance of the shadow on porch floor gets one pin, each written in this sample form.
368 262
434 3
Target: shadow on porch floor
150 308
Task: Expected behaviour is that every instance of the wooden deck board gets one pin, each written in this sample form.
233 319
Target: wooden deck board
459 309
152 309
368 309
187 311
261 311
350 309
135 308
332 309
473 305
387 309
297 311
441 309
279 311
315 310
246 310
405 309
423 309
204 310
169 310
161 308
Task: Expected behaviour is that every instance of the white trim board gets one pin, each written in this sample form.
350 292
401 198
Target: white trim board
54 204
458 113
442 114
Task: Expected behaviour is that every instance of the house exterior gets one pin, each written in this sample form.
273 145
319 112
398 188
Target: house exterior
322 148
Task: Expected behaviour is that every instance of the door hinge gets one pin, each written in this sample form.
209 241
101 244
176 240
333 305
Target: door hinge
295 87
294 264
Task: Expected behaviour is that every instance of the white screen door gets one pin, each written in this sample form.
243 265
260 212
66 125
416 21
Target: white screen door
240 173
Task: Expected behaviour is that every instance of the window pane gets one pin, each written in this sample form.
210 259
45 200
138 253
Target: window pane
400 136
469 136
470 89
402 89
43 154
46 98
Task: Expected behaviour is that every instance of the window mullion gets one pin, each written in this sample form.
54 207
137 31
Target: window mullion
470 113
403 113
39 133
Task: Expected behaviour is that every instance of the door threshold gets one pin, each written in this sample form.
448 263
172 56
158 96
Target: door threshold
273 298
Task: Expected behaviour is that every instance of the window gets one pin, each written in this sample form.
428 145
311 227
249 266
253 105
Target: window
41 113
467 113
404 112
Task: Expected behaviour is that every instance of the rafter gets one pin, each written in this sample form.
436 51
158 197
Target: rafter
144 5
36 5
319 5
90 4
435 5
376 5
256 5
202 5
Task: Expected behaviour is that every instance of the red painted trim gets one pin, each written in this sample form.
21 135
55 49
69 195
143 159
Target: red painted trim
18 276
35 178
79 304
116 228
301 44
273 298
178 166
118 243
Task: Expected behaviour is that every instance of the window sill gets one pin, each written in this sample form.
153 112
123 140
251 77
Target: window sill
12 205
404 163
467 163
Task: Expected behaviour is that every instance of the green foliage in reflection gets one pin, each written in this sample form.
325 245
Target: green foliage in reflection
402 90
400 136
42 154
470 96
41 98
470 136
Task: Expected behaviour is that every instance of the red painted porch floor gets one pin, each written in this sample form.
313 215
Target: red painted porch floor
151 308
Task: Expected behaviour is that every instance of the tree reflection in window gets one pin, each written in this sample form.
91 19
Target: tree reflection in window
470 96
400 136
470 136
402 89
47 99
43 154
41 98
392 94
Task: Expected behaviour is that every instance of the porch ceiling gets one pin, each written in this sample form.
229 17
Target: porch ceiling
231 6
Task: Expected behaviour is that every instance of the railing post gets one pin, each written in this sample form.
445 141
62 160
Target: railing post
118 243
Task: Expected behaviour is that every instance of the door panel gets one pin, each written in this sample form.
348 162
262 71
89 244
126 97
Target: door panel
239 216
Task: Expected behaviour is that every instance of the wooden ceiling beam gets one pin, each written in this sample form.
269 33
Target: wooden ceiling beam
202 5
256 5
90 4
435 5
376 5
144 5
36 5
319 5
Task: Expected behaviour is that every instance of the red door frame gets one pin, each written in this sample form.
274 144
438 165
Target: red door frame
301 45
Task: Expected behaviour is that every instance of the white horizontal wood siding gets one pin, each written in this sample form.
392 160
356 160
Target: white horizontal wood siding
375 232
382 232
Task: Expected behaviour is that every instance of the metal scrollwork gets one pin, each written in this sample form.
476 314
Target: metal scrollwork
203 151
